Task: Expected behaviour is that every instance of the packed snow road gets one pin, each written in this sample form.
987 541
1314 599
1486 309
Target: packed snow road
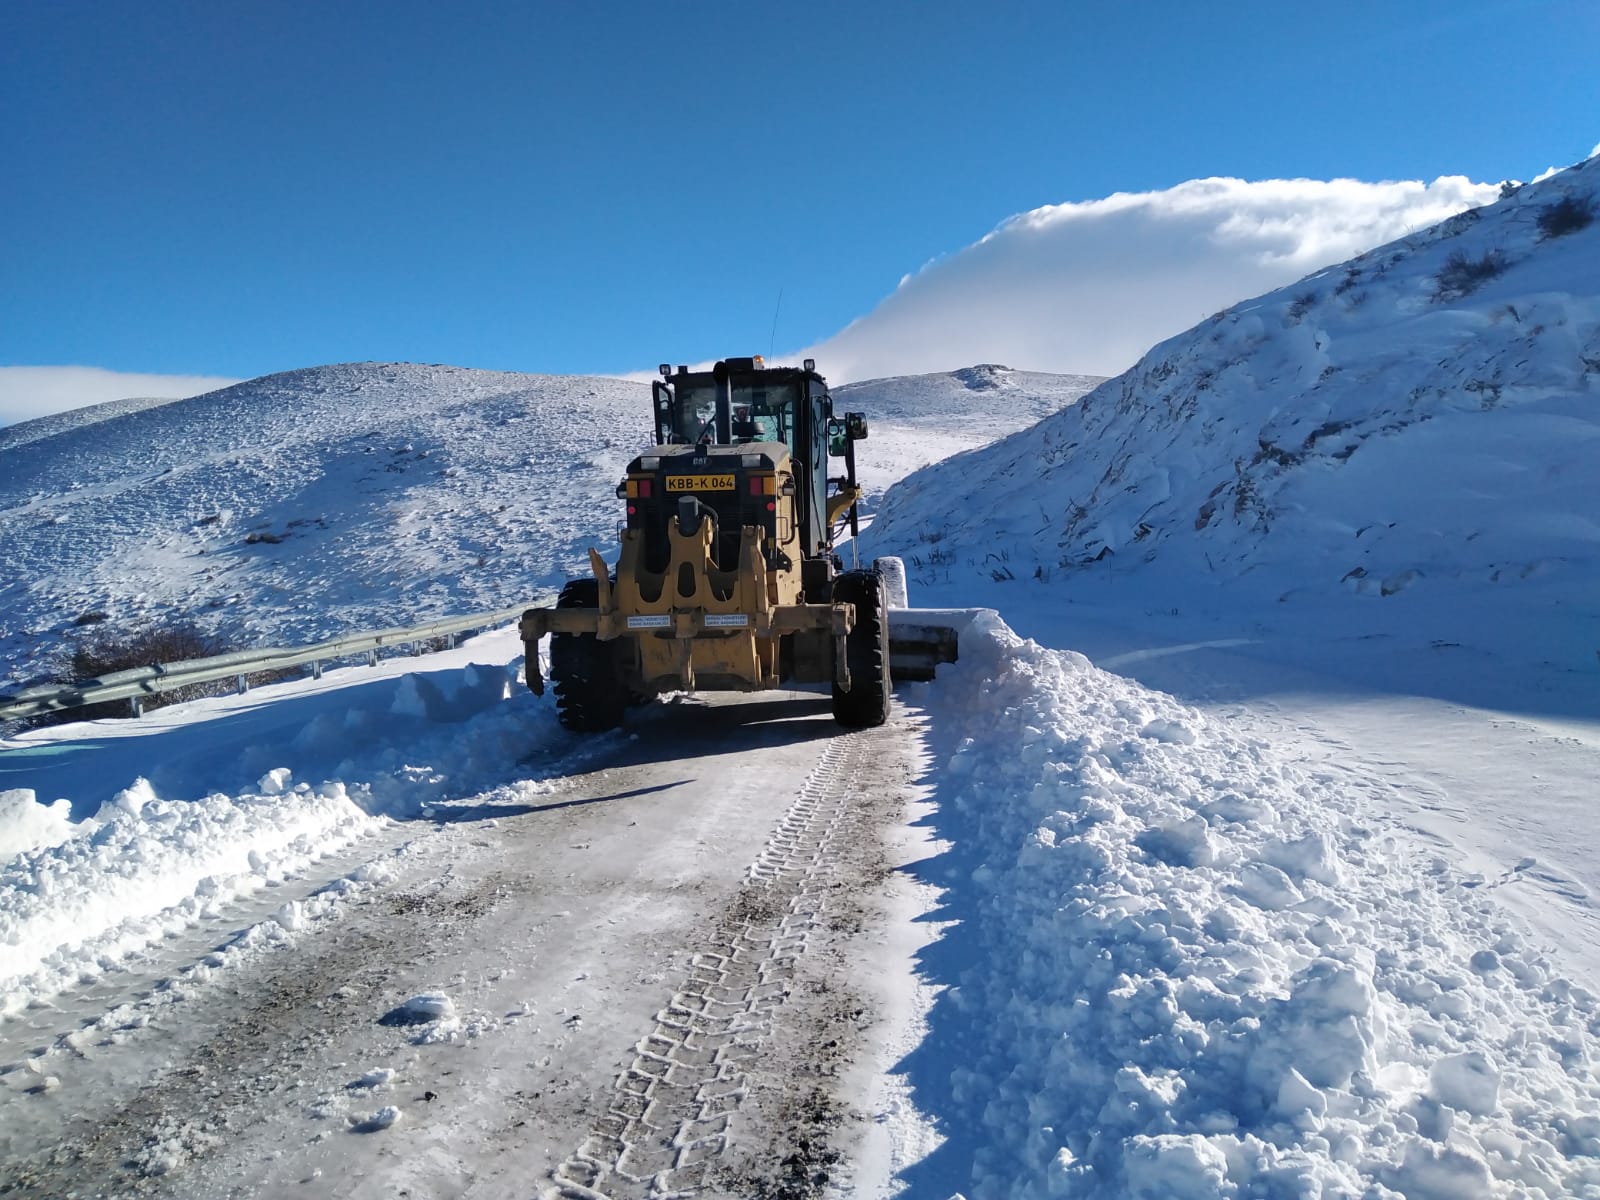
568 985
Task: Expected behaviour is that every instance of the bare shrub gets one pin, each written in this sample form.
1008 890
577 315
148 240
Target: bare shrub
112 648
121 649
1462 274
1567 215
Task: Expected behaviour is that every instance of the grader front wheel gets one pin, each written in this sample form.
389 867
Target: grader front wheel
589 696
866 652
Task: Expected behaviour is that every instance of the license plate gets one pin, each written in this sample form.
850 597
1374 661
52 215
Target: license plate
700 483
661 621
726 620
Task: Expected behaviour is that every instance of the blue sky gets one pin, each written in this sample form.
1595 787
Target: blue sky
232 189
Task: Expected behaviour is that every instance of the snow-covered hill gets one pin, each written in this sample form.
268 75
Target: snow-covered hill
298 505
308 502
916 420
1422 420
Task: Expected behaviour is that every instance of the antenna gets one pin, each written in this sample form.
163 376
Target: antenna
779 308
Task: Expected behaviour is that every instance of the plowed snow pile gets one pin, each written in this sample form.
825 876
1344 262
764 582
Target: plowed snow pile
148 861
1191 969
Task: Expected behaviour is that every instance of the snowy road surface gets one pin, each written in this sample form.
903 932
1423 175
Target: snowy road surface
599 972
1049 932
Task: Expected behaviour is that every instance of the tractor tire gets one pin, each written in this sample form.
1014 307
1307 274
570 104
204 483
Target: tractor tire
590 697
866 652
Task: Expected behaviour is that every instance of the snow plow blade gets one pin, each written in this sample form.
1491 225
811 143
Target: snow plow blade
922 638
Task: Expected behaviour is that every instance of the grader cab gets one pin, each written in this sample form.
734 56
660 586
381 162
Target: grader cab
727 578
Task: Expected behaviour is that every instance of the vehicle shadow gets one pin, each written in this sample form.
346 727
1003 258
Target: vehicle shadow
688 728
454 814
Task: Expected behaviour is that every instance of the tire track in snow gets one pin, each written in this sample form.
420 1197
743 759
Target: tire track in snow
668 1124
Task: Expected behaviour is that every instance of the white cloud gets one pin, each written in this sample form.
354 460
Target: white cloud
1089 287
28 392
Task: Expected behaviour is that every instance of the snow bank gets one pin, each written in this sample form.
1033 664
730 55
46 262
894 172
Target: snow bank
146 867
1185 968
79 898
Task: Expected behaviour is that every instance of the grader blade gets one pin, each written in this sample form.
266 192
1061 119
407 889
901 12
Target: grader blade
922 638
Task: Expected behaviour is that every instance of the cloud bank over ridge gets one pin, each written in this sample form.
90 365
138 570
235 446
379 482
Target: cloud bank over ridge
1090 286
29 392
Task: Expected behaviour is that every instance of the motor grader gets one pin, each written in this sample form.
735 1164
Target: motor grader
727 578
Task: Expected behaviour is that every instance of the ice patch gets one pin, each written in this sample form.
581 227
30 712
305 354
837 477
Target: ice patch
429 1006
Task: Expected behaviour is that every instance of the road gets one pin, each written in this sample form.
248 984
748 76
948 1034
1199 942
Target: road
653 976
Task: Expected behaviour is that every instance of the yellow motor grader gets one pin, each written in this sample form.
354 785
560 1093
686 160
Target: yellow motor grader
727 578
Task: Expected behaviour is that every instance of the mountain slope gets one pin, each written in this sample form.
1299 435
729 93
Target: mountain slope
1422 417
916 420
307 502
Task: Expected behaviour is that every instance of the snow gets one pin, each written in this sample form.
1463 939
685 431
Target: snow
86 891
1329 928
1189 967
1259 838
26 823
145 866
1362 430
384 1118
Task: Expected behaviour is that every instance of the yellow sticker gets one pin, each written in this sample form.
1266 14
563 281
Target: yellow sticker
700 483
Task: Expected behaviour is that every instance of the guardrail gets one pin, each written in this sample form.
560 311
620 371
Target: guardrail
140 683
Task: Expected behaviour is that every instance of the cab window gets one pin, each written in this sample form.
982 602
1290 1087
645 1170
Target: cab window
695 415
763 414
